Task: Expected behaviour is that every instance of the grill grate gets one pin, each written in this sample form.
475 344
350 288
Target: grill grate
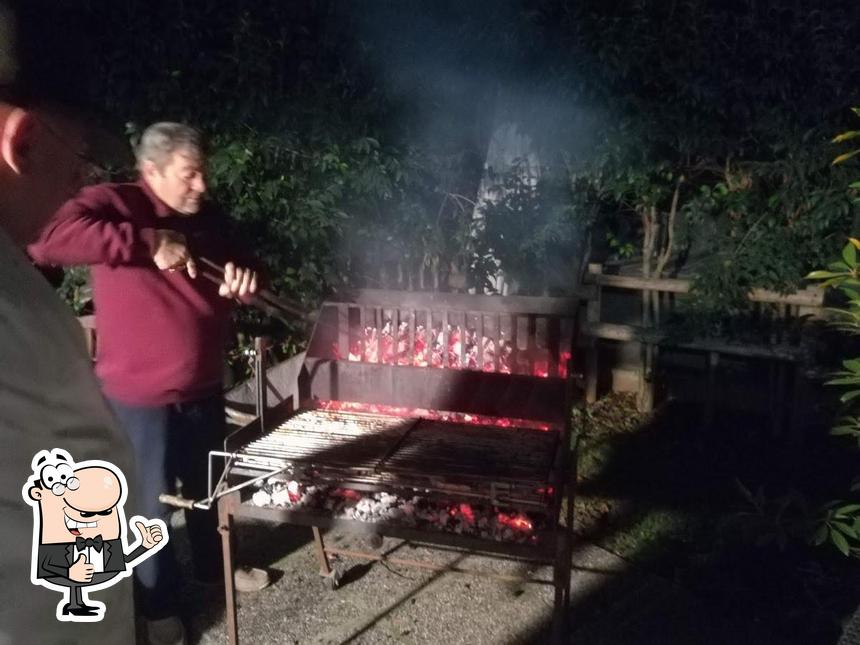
390 449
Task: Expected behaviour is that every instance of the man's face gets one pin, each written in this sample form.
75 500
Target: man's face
87 511
180 183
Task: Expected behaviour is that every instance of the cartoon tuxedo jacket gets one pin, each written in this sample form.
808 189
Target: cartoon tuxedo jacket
55 559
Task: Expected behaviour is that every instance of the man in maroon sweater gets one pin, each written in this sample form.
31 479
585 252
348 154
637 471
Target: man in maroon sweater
162 331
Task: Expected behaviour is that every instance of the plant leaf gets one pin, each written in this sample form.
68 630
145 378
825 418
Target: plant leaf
820 275
849 254
840 542
843 430
845 380
845 136
844 157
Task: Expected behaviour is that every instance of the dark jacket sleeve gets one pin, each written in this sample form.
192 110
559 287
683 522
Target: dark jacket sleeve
134 555
89 229
53 565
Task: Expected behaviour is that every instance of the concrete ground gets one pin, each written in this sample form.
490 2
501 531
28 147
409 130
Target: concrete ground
383 603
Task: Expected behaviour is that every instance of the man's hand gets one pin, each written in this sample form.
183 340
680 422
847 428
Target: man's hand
81 571
238 282
171 252
151 535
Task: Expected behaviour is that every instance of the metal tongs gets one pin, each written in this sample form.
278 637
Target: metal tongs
263 299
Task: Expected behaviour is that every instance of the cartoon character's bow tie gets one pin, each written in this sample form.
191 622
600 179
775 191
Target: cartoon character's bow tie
83 543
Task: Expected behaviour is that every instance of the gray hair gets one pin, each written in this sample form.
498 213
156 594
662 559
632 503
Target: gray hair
161 140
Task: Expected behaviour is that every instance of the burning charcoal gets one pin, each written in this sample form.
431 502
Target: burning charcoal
281 497
388 499
261 498
293 491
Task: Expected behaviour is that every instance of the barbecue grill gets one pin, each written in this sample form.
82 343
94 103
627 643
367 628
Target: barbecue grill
448 401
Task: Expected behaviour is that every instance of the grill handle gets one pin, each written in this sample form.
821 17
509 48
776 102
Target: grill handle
177 501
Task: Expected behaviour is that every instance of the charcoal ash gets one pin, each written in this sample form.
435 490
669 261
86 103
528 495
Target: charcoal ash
478 520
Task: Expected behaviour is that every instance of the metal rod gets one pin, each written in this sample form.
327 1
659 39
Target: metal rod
260 346
249 482
410 353
397 444
215 453
263 298
480 341
464 363
429 338
498 344
418 564
218 492
445 339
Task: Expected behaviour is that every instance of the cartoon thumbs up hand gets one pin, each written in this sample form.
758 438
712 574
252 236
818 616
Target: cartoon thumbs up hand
151 535
81 571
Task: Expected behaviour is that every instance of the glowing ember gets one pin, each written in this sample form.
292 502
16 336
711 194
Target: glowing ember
483 521
435 415
375 346
347 493
518 521
467 513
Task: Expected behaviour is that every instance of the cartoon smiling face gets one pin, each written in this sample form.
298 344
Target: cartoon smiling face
77 503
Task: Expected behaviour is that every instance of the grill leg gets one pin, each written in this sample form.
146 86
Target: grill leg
561 582
326 570
225 527
325 567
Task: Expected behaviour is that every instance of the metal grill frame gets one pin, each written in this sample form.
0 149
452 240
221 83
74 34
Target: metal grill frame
548 399
388 462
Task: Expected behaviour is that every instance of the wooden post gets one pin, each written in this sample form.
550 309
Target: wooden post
592 315
645 400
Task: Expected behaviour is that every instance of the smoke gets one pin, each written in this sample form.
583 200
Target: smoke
471 83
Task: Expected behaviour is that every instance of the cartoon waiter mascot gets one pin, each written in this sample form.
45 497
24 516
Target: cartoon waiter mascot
80 542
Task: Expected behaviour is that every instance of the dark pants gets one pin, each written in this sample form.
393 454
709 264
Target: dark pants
173 442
